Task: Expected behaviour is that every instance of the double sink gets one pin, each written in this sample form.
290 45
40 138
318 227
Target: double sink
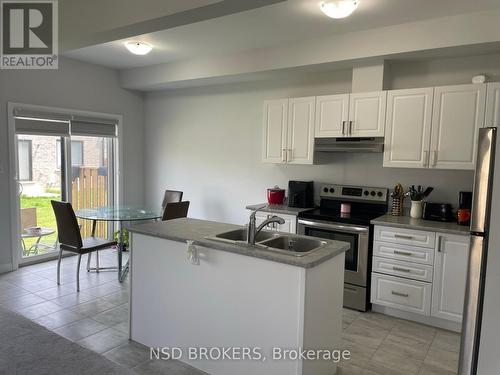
272 241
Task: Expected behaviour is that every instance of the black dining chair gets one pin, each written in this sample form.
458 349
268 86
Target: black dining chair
171 196
175 210
70 238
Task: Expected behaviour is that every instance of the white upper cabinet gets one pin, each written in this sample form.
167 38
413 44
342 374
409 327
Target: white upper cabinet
351 115
332 114
434 128
289 131
275 131
450 276
493 105
300 149
408 128
458 114
367 114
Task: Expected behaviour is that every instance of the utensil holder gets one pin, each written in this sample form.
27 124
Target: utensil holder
416 209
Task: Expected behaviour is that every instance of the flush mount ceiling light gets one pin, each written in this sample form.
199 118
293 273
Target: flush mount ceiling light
339 8
139 48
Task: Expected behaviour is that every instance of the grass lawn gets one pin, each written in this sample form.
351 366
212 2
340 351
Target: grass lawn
44 216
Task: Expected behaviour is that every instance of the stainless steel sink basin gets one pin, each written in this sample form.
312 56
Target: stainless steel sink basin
272 241
240 235
296 245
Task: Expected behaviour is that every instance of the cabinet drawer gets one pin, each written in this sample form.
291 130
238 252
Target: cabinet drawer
405 236
423 255
403 294
408 270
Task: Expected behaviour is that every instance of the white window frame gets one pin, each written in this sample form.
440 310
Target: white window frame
117 159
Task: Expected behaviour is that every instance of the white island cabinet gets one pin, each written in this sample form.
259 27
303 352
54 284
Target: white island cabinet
236 297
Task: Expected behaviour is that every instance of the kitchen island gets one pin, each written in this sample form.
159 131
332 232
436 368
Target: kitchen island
257 302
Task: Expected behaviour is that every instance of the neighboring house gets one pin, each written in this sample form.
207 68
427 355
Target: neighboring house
39 159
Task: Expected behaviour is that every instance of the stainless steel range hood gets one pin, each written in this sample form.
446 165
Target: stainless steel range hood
368 144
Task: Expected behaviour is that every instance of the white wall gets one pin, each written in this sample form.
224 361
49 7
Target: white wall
207 142
75 85
451 71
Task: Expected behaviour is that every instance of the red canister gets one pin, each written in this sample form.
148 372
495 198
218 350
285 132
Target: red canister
275 195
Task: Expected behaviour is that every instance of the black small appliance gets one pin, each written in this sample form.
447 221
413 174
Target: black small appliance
301 194
437 212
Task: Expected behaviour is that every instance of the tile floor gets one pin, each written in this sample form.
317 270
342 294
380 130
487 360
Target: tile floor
382 345
97 318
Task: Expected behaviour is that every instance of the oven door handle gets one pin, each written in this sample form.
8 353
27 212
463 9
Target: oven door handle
325 225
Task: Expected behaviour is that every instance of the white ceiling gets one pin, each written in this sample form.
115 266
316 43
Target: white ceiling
283 23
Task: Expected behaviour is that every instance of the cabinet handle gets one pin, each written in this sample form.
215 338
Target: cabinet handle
283 155
343 127
425 161
400 294
397 252
350 128
401 269
440 244
403 237
434 158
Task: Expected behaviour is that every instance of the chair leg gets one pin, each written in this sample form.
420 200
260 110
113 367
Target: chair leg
97 261
59 267
78 272
89 256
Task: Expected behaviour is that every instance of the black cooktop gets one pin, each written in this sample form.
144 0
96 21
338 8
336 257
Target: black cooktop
361 213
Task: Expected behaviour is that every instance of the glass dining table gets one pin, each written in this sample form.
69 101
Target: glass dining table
120 214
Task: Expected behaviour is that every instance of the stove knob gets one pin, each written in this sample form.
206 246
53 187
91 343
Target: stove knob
372 193
325 190
366 192
332 190
380 194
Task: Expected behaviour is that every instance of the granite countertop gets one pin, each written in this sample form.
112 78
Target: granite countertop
278 208
419 224
196 230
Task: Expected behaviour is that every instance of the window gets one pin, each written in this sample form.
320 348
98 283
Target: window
25 160
76 153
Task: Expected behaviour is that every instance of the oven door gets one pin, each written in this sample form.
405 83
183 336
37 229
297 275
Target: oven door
356 258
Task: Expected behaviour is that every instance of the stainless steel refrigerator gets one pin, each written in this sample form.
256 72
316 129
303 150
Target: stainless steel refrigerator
484 224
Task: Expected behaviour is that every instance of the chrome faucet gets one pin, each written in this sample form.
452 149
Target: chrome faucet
253 231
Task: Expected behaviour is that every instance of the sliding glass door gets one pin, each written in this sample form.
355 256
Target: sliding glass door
70 160
40 179
92 178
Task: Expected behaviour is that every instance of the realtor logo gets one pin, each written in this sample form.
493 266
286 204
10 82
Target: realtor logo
29 35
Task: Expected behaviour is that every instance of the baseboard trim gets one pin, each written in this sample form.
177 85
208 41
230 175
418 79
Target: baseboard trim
7 267
428 320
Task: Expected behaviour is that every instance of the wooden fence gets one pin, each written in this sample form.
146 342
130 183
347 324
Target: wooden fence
89 190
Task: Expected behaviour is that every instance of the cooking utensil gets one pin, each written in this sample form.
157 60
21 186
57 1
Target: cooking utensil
418 194
397 200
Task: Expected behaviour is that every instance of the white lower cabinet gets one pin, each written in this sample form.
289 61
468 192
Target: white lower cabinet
448 288
399 268
290 225
420 272
403 294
